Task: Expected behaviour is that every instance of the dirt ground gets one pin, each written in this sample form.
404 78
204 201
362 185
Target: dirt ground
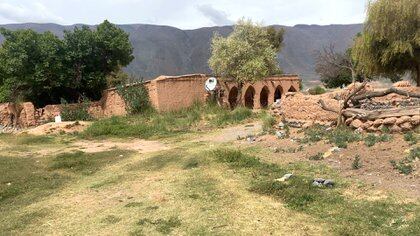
376 169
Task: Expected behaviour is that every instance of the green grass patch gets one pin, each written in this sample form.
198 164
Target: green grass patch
339 136
164 226
317 157
268 121
154 124
345 216
32 139
357 163
405 166
87 163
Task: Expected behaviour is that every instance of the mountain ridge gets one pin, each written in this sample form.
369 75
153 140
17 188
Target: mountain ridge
167 50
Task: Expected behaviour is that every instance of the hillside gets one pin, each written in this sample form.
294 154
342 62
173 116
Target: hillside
170 51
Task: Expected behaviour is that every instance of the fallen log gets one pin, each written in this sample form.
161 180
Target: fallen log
380 114
355 100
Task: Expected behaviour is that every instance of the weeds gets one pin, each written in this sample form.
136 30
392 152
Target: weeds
317 90
78 111
317 157
163 226
356 164
136 97
411 137
405 165
153 124
372 139
268 121
86 163
345 216
340 136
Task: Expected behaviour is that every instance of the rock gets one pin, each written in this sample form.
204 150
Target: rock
395 129
378 122
372 129
356 123
329 183
251 138
359 130
284 178
280 134
406 126
367 124
402 119
348 121
281 125
415 120
317 184
389 121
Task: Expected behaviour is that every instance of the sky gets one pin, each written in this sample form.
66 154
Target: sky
184 14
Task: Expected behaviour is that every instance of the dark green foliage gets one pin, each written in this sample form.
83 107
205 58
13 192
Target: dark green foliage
317 90
136 97
276 37
111 219
411 137
191 163
75 112
356 164
317 157
42 68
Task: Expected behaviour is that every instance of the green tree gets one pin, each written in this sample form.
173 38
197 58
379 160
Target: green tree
30 66
246 55
390 41
276 37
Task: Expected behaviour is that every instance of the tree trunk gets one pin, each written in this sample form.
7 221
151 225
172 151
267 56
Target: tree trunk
418 75
239 97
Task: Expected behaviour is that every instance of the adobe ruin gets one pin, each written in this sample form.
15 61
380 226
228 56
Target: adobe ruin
167 93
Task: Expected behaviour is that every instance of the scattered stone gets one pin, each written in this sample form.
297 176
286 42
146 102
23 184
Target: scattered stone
356 123
281 125
378 122
415 120
284 178
8 184
402 119
319 182
294 124
329 183
406 126
281 134
389 121
251 139
395 129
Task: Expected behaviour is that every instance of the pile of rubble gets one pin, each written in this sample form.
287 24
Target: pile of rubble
394 112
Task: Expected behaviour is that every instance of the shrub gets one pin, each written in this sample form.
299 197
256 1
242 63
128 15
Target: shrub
317 90
317 157
268 121
136 97
411 137
402 167
372 139
73 112
314 133
343 135
356 164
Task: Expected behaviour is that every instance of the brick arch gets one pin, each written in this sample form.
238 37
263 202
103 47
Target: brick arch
232 97
292 89
278 92
249 97
264 94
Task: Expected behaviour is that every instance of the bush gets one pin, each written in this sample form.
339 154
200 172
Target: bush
319 156
136 97
356 164
411 137
74 112
317 90
343 135
372 139
268 121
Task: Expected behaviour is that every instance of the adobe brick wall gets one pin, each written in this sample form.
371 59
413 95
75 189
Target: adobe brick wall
167 93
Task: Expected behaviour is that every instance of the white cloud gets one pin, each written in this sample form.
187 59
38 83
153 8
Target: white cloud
215 16
32 12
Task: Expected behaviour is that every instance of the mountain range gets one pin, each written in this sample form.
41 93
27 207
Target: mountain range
165 50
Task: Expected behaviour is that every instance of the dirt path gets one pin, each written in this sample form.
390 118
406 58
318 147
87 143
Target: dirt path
231 133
